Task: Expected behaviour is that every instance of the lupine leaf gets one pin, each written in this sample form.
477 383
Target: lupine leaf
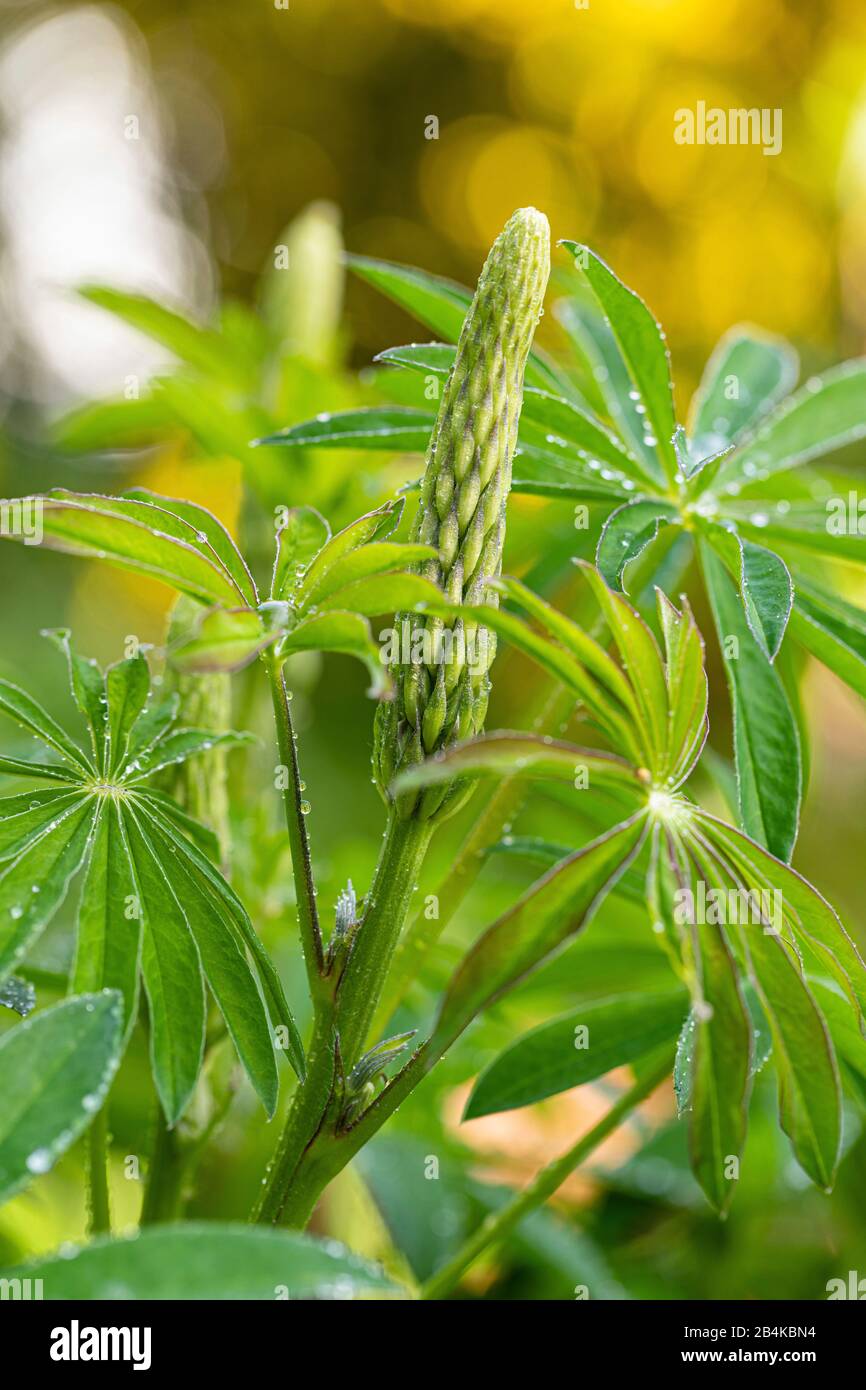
643 347
376 558
554 1057
41 850
21 707
230 908
809 1094
171 970
808 917
506 754
226 639
548 915
832 630
56 1068
721 1051
687 689
593 337
180 745
374 526
765 586
108 944
201 348
828 412
210 1260
389 427
641 657
380 593
136 536
88 692
747 373
224 965
301 536
766 741
127 687
210 533
626 534
348 633
52 772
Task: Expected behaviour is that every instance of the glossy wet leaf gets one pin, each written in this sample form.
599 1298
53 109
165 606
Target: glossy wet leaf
372 427
833 630
825 414
207 1261
626 534
578 1047
747 373
56 1069
507 754
643 347
766 741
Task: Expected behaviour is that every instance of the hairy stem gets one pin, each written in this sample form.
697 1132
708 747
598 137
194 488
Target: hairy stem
499 1224
386 907
98 1203
501 808
305 1118
308 920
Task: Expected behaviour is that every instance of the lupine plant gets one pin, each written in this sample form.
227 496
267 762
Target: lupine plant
761 973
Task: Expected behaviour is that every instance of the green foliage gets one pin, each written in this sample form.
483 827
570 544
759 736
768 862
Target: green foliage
662 920
153 905
57 1068
208 1261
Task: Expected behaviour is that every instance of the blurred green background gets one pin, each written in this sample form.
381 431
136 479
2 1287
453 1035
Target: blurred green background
165 148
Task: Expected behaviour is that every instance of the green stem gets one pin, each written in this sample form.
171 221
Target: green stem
542 1187
98 1202
302 871
162 1196
386 907
307 1112
502 806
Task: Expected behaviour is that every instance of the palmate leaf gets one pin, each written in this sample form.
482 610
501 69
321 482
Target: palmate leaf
809 1093
56 1067
547 916
643 348
719 1045
144 536
210 1260
558 1055
833 631
766 588
746 374
153 905
766 739
825 414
